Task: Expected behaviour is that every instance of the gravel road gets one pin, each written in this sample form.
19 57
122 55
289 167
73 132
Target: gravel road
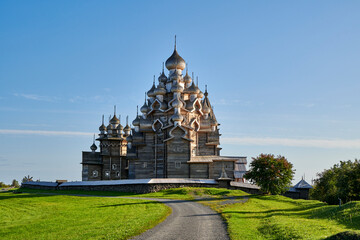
188 221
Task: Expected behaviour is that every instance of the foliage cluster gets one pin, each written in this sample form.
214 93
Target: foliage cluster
3 185
272 174
14 184
342 181
27 178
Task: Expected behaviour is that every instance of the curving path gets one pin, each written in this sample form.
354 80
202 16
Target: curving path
189 220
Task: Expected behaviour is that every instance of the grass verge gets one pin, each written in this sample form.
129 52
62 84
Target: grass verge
278 217
40 216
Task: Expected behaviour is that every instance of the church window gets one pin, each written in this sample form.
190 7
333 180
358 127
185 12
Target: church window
95 173
145 165
177 164
114 166
107 173
118 174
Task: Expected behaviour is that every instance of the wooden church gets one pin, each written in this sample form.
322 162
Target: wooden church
175 136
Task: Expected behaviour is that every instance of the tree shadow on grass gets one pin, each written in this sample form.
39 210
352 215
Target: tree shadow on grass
314 211
20 195
167 201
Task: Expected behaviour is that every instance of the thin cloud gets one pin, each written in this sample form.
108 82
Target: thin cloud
45 133
36 97
312 143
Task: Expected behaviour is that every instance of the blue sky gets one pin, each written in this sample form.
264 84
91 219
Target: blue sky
283 76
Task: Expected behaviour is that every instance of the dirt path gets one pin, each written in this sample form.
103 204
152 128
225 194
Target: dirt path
188 220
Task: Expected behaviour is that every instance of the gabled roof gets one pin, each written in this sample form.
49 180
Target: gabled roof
303 184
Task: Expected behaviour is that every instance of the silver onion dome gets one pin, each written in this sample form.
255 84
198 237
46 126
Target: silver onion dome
200 94
187 78
120 127
175 76
93 147
205 108
177 88
193 89
175 61
136 121
127 128
145 124
114 120
162 78
102 128
150 93
159 91
110 127
144 109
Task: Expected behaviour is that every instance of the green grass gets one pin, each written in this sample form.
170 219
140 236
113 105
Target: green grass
40 216
261 217
188 193
278 217
76 192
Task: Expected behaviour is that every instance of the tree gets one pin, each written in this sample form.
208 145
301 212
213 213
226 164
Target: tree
342 181
15 183
3 185
272 174
27 179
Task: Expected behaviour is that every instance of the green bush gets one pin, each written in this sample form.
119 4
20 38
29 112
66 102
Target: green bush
342 181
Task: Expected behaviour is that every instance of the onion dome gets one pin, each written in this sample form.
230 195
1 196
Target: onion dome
177 103
177 117
177 88
193 89
205 108
120 127
150 93
144 109
187 78
102 128
127 128
200 94
114 120
110 127
145 123
162 78
159 91
93 147
136 121
175 61
175 76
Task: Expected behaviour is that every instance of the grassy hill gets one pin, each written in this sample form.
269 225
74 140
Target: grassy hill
249 217
278 217
39 216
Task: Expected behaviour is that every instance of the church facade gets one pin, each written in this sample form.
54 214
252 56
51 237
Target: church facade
176 135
